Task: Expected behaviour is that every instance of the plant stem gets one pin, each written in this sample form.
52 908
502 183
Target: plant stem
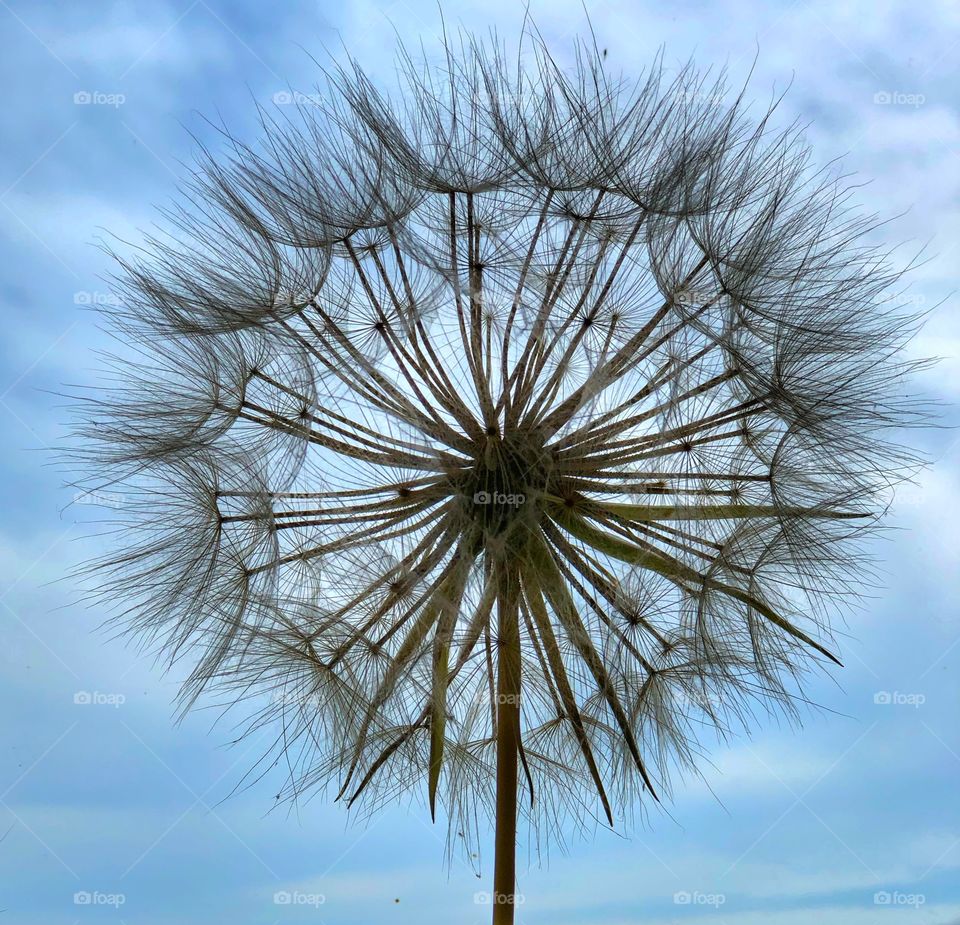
508 749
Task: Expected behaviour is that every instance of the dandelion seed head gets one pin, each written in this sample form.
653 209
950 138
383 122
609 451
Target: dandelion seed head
534 358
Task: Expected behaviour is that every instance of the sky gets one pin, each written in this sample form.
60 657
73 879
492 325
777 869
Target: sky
112 812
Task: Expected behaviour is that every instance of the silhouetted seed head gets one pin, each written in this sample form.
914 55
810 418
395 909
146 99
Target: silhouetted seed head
602 352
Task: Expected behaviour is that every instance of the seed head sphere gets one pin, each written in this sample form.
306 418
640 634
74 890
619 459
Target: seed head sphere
532 418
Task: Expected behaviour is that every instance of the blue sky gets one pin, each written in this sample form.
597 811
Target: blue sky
854 820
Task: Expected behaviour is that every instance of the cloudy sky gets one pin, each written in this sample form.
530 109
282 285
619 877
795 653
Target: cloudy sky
110 812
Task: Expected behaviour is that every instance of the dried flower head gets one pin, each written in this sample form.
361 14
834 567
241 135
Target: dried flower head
506 435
